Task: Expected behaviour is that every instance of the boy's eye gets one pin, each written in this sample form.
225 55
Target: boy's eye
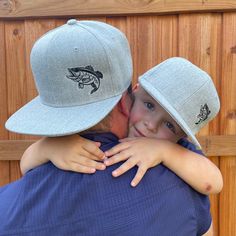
149 105
170 126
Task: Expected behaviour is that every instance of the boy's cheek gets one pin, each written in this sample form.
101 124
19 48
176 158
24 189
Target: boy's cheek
133 119
136 114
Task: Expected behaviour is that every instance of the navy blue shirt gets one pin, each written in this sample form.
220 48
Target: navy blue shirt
48 201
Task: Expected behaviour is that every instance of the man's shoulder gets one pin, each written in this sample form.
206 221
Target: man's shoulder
189 145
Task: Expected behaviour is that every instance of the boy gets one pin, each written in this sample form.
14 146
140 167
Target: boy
174 100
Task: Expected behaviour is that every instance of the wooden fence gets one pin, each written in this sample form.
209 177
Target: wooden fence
202 31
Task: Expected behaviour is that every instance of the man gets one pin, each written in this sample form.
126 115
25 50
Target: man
82 71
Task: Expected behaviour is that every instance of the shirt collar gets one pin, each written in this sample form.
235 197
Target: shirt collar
103 138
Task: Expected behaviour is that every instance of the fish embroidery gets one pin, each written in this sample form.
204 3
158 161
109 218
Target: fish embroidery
85 76
204 113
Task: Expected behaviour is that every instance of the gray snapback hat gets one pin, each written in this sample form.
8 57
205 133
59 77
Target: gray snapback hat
185 91
81 70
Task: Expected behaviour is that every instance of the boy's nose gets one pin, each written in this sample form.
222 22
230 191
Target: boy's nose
152 126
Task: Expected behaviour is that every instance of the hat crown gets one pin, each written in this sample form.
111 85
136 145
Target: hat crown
188 91
81 62
81 69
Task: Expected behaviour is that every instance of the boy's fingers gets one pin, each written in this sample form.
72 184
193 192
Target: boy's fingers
124 167
116 149
94 150
90 156
91 163
138 177
82 169
126 139
98 144
117 158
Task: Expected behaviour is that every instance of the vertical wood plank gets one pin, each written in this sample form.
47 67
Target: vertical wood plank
152 40
165 38
228 124
96 18
200 42
131 34
16 78
139 33
3 79
118 22
4 165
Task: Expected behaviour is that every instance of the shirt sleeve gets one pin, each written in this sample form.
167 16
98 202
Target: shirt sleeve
190 146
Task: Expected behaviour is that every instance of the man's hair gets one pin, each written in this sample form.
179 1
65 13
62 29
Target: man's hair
103 126
130 90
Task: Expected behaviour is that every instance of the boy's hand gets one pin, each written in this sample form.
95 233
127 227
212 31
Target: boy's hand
75 153
72 153
143 152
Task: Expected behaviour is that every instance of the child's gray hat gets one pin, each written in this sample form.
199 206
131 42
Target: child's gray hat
185 91
81 70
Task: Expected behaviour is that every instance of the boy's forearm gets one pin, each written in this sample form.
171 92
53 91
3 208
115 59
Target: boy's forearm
33 157
197 171
210 231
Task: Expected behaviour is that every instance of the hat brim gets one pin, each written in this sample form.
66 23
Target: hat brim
35 118
169 108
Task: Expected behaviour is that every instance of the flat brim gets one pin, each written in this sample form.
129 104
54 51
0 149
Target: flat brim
35 118
169 108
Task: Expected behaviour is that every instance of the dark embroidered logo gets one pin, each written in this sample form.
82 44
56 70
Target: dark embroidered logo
85 76
204 113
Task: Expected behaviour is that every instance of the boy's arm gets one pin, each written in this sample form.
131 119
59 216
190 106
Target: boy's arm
193 168
72 152
199 172
209 232
32 157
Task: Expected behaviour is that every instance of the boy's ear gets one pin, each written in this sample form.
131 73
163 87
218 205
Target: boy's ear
125 104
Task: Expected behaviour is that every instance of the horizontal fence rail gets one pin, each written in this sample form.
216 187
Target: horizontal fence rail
219 145
52 8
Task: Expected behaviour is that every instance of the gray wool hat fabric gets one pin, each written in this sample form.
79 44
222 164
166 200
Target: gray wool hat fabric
81 70
185 91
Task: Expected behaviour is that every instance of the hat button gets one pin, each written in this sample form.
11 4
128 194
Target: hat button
71 22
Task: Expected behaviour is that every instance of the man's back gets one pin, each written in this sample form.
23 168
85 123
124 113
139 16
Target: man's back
48 201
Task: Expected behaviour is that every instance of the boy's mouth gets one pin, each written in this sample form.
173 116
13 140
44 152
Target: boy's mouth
140 134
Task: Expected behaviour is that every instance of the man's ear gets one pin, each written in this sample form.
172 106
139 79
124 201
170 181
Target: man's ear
136 86
125 104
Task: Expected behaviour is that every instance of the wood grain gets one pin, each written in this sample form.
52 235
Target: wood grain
200 42
16 78
13 149
4 165
50 8
165 38
227 205
212 146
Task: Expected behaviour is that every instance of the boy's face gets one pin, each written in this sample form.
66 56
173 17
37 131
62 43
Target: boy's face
149 119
